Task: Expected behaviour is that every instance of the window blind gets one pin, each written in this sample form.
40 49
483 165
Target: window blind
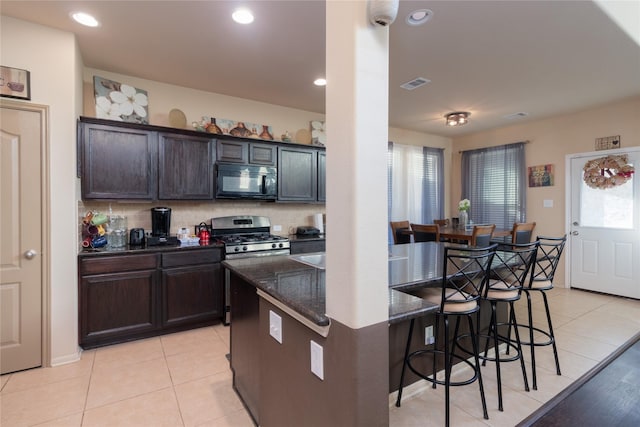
494 181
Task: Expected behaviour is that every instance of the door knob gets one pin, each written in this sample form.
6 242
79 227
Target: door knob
30 254
574 233
576 223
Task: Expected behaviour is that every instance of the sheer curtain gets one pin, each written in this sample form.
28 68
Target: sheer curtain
494 181
415 183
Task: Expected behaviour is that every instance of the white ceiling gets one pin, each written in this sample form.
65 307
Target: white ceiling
491 58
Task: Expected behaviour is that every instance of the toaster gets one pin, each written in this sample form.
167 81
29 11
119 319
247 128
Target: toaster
136 237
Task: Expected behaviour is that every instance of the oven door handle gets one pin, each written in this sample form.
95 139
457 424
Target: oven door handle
264 184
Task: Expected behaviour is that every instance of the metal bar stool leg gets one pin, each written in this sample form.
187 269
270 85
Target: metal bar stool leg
474 343
519 346
497 353
404 363
447 369
553 338
533 347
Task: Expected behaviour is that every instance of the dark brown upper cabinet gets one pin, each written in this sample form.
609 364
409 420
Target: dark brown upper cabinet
117 163
246 152
185 167
297 174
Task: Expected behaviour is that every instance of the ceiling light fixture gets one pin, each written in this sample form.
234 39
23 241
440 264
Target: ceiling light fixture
320 82
242 16
419 17
457 118
85 19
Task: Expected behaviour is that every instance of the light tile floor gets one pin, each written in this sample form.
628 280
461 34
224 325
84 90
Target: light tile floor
588 327
183 379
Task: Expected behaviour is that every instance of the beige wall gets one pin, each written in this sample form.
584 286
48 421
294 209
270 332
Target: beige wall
53 60
550 141
195 104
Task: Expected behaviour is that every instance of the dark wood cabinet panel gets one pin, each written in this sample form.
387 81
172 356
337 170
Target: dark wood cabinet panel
232 151
117 163
245 338
322 176
191 294
132 296
185 167
301 246
118 306
262 154
297 174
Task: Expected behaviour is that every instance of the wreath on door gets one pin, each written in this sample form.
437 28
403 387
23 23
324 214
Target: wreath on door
608 172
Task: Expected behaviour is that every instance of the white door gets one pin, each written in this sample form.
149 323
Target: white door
605 227
22 136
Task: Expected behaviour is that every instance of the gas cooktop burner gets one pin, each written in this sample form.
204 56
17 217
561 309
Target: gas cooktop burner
248 236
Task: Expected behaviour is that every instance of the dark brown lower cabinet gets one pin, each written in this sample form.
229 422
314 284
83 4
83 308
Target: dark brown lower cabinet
190 295
127 297
117 306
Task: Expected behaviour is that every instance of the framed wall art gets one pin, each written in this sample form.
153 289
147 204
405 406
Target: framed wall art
541 176
15 83
120 102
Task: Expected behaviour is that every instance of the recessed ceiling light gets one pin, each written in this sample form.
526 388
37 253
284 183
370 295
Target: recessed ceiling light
419 17
85 19
320 82
242 16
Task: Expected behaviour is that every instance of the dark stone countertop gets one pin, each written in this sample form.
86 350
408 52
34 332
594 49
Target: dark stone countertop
296 238
302 287
130 250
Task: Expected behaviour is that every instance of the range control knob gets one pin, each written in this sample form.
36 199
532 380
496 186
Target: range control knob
280 245
237 249
273 245
244 248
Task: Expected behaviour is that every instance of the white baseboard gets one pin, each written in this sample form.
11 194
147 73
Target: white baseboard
66 359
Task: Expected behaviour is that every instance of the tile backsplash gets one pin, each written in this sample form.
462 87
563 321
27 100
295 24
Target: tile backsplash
190 214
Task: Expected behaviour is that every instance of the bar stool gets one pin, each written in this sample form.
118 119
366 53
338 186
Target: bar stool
465 274
549 252
509 274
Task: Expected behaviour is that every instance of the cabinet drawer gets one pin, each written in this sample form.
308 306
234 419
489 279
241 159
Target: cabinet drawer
118 263
203 256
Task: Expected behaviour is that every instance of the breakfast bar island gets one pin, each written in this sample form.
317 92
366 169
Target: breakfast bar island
287 355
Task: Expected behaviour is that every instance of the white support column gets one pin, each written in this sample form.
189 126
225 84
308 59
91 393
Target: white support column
357 70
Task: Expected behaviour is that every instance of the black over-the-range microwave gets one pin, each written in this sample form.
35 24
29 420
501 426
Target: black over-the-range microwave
234 181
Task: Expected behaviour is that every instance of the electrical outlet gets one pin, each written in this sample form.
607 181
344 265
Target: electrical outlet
275 326
317 360
428 335
277 228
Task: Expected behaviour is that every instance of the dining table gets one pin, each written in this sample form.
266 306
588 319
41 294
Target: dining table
464 233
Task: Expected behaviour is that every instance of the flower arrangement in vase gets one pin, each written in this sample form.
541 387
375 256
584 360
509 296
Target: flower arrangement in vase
463 208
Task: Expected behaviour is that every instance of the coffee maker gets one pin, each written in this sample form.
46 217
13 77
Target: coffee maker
160 227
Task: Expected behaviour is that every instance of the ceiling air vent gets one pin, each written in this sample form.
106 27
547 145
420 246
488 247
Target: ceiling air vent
415 83
516 115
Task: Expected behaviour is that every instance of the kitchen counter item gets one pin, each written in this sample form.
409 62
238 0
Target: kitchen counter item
136 237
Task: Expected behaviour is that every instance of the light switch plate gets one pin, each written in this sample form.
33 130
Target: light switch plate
277 228
547 203
317 360
275 326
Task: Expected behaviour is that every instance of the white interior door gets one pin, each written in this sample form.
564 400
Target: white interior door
22 131
605 230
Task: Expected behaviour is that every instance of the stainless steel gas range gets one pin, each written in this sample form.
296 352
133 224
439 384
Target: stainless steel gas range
245 237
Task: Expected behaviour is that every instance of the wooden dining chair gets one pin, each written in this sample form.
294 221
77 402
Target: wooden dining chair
522 232
482 234
396 229
425 232
442 222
